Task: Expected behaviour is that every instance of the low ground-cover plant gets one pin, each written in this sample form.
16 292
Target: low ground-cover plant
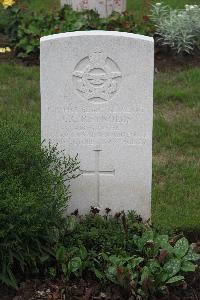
25 28
9 17
177 28
156 266
97 233
34 190
126 252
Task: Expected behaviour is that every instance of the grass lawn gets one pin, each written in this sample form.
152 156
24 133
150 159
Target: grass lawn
176 188
141 7
138 5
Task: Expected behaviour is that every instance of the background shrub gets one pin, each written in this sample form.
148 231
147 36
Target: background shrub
35 25
33 195
177 28
106 234
25 28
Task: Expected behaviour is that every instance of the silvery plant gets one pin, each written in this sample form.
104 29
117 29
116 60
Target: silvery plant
177 28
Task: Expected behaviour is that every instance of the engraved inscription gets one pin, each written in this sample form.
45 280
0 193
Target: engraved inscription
92 128
97 77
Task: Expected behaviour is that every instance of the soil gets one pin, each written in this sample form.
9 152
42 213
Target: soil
167 60
88 289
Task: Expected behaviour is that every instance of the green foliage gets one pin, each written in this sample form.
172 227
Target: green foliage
96 233
72 261
9 21
143 261
155 268
34 190
177 28
26 28
4 18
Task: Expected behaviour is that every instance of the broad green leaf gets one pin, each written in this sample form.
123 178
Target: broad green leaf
128 258
181 247
83 252
172 267
192 256
60 254
175 279
163 277
74 264
98 274
105 256
135 262
154 266
44 258
161 239
64 269
29 49
115 260
146 237
145 273
111 274
188 266
166 246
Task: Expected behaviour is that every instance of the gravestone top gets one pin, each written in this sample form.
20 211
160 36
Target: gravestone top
103 7
95 33
97 101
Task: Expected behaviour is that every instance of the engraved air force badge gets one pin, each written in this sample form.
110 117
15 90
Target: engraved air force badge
97 77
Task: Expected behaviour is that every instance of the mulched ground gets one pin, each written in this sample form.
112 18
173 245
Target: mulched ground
91 290
72 290
165 60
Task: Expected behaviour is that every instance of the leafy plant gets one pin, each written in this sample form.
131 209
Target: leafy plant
34 191
104 234
72 260
9 20
158 266
177 28
25 28
127 252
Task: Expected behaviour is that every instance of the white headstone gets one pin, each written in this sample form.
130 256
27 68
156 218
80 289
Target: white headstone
103 7
97 101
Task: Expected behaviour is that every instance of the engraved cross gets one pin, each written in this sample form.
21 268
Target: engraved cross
97 172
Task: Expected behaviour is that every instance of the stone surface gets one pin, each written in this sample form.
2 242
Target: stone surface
96 90
103 7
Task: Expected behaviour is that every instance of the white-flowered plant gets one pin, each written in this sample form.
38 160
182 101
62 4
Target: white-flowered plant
178 28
